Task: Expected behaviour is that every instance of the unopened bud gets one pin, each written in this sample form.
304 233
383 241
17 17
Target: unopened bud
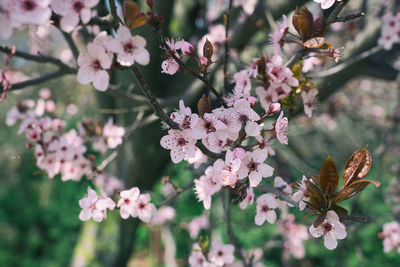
274 108
203 61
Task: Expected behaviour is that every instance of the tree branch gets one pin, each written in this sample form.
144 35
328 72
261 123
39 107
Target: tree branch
228 14
193 73
71 44
349 17
171 198
36 58
44 78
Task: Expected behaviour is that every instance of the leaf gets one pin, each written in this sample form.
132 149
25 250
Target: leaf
204 242
203 106
315 208
340 211
352 189
132 16
329 176
208 49
315 42
316 179
316 197
320 219
303 22
357 166
319 26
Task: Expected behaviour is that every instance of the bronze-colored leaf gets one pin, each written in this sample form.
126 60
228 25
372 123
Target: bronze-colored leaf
316 179
208 49
352 189
315 42
303 21
357 166
311 206
319 26
317 199
340 211
132 16
320 219
329 176
204 104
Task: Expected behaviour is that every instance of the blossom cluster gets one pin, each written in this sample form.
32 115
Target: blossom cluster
58 150
390 31
95 64
219 255
391 236
325 4
293 235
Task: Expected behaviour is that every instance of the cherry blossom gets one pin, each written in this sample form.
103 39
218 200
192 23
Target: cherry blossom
389 31
301 195
94 206
249 199
184 117
226 171
181 144
197 224
391 236
281 126
113 134
266 204
331 228
109 183
221 254
308 100
294 235
144 208
278 35
163 215
205 187
325 4
254 167
73 11
127 202
93 66
287 190
197 258
129 49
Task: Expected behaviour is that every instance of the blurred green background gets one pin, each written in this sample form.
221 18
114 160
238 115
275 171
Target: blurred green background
359 106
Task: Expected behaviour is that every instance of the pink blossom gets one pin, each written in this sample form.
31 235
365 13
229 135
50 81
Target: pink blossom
197 258
301 194
127 202
325 4
45 93
144 208
287 190
278 35
239 153
93 66
391 236
293 235
73 11
113 134
198 159
94 206
163 215
308 100
249 199
226 171
209 123
181 144
170 66
254 167
129 49
205 187
184 117
221 254
266 204
281 126
197 224
109 183
331 229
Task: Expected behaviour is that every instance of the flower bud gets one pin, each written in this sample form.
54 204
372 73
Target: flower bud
252 100
203 61
274 108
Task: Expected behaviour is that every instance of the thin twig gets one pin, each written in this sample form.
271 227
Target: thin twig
103 22
44 78
170 198
349 17
193 73
229 231
36 58
152 99
71 44
228 14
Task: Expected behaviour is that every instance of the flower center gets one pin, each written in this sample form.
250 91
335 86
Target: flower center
327 227
78 6
96 65
252 166
220 253
142 206
127 201
265 208
181 142
129 47
28 5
